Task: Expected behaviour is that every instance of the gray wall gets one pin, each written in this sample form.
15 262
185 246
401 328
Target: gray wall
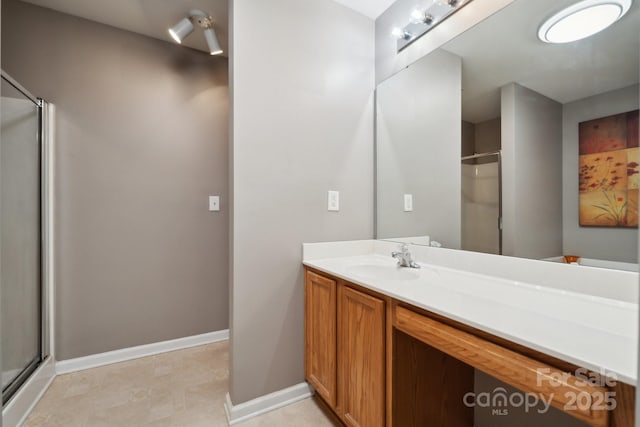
389 61
468 138
616 244
418 150
487 136
532 173
482 137
302 124
141 142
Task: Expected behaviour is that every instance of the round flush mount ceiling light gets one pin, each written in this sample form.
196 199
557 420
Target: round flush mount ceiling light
582 19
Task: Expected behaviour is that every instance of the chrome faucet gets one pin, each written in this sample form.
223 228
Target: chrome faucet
404 257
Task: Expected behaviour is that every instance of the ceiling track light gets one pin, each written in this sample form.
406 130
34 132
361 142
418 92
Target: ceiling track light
203 20
582 19
425 19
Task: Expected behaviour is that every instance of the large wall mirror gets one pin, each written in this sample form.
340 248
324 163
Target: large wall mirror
501 143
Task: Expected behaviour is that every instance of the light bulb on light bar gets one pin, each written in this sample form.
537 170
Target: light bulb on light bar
582 19
450 3
421 17
399 33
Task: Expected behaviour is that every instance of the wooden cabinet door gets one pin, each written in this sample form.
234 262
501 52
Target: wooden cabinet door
320 335
361 352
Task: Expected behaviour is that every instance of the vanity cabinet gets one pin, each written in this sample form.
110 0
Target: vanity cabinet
345 349
380 362
361 361
321 336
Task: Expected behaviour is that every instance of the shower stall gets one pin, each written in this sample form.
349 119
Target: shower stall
24 239
482 203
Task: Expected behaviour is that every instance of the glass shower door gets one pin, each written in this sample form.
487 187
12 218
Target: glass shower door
481 203
20 236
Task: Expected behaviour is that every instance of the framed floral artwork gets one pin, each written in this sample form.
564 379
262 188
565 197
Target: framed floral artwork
609 174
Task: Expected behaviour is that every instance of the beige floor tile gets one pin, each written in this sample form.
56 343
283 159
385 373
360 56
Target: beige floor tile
183 388
306 413
36 420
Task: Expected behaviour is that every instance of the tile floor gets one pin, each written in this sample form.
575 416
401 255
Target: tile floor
183 388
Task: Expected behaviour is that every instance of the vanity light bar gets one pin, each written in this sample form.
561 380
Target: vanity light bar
424 19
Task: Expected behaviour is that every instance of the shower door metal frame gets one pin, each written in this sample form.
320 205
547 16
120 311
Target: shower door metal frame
44 298
489 154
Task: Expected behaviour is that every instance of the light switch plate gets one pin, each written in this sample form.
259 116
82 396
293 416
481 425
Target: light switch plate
214 203
333 203
408 202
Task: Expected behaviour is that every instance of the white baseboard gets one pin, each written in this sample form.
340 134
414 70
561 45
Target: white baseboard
22 403
101 359
266 403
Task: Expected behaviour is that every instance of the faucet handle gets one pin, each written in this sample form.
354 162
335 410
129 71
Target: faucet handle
404 250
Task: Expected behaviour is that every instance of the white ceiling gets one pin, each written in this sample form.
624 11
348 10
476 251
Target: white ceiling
370 8
151 18
505 48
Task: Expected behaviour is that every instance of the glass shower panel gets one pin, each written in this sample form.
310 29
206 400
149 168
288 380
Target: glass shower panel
481 204
20 237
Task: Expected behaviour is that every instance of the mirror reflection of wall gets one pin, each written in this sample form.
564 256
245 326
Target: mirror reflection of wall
481 137
526 100
418 151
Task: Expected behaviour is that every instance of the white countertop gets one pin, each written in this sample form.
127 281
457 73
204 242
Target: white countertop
594 332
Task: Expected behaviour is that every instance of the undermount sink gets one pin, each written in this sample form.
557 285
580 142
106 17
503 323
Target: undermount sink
383 272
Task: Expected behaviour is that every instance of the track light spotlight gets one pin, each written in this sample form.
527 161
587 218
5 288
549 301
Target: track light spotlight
212 41
185 27
181 30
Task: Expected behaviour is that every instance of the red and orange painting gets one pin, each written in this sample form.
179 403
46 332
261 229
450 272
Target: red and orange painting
609 171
